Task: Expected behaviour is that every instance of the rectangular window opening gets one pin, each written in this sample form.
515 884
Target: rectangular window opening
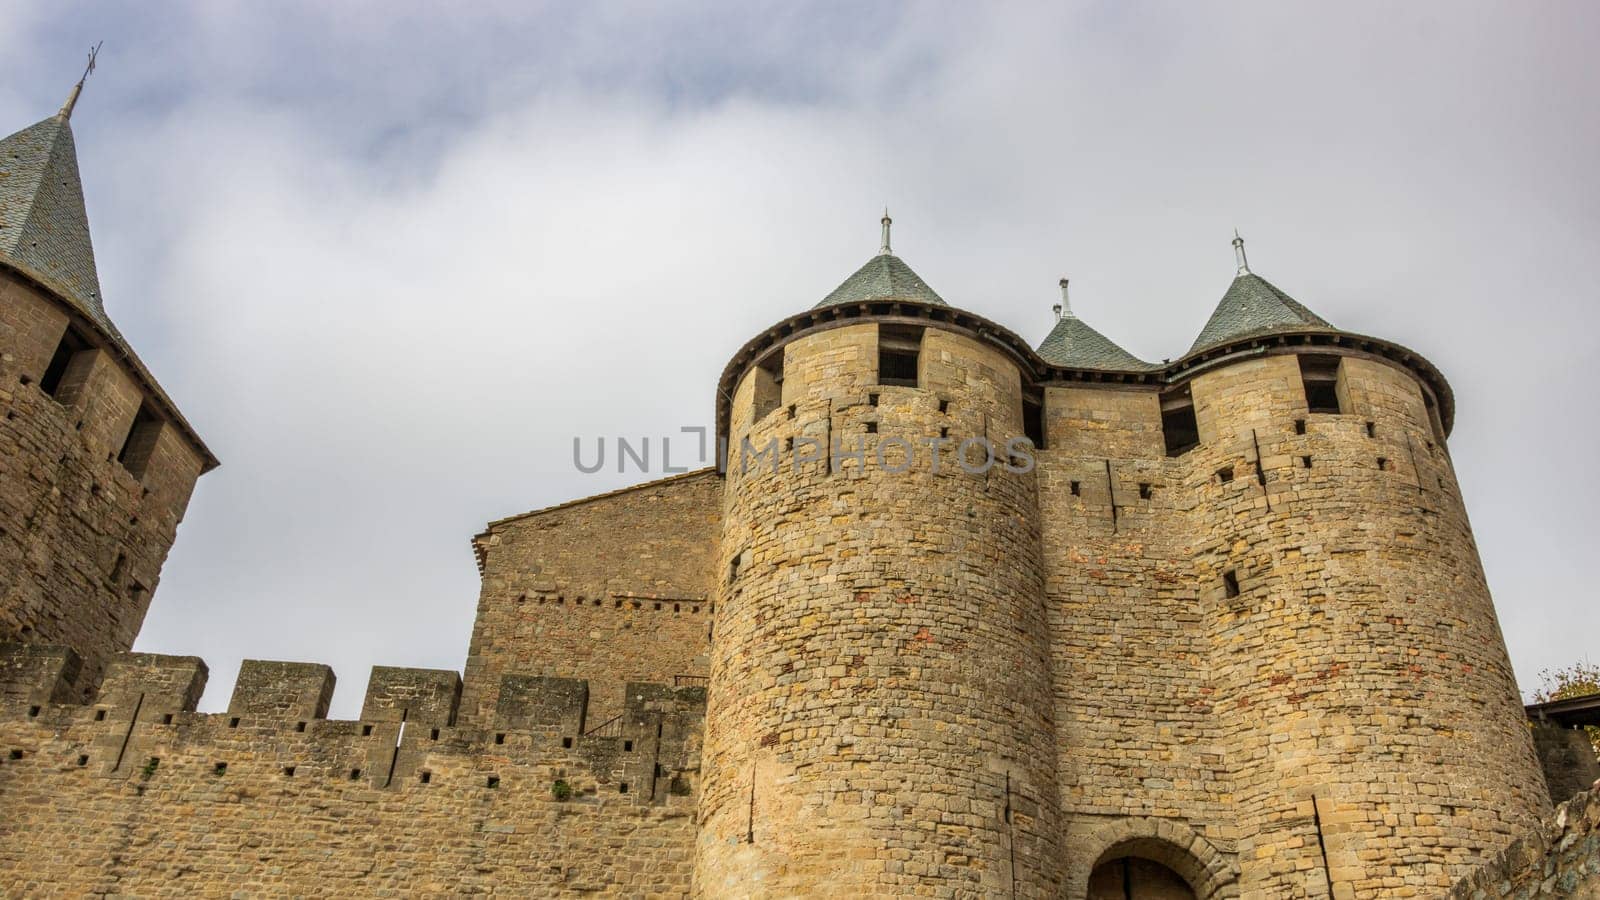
1230 584
872 399
1076 488
288 771
1299 426
140 442
1033 419
33 712
768 377
899 349
1372 429
1383 464
1179 428
220 769
299 726
622 788
1320 377
1305 461
69 351
493 781
355 774
426 777
627 746
500 738
944 406
872 428
1145 490
1225 474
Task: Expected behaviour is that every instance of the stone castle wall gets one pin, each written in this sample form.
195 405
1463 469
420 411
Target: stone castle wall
879 720
82 539
136 794
1561 858
615 588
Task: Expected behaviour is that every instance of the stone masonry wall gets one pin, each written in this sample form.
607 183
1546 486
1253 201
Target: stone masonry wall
1567 757
615 588
82 540
1133 688
1561 858
878 720
138 795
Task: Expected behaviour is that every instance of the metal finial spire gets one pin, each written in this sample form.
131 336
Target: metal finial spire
884 249
72 98
1064 309
1238 253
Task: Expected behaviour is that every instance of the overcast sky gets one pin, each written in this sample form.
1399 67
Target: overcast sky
389 259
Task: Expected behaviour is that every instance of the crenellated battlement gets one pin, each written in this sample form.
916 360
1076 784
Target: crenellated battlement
143 726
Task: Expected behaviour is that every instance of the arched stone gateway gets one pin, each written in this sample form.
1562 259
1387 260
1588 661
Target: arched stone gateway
1154 859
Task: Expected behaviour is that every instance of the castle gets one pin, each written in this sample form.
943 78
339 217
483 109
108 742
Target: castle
958 617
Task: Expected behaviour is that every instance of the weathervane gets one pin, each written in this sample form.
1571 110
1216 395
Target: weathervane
72 99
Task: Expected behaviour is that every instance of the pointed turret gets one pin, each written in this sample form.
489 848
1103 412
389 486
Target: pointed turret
1254 306
1073 343
884 277
44 229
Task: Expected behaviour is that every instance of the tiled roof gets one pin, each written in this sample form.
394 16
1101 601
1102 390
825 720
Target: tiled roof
1254 306
1073 343
884 277
44 230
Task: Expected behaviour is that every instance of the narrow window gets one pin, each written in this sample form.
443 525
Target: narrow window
944 406
1230 584
288 771
627 746
768 377
366 730
872 399
1076 489
433 735
1372 429
426 777
355 774
494 781
33 712
500 738
1305 461
1434 422
1320 376
1033 419
1144 490
70 354
1179 428
791 410
899 347
140 442
1299 426
622 788
1225 474
566 743
1383 464
300 726
944 431
166 719
233 722
219 769
99 715
16 755
83 759
872 428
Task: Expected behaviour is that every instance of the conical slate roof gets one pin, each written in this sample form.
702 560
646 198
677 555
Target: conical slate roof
884 277
44 229
1254 306
1073 343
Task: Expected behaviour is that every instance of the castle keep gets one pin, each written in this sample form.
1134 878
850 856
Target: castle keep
1214 627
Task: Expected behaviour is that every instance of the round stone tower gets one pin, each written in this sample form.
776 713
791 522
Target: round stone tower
879 710
1365 699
